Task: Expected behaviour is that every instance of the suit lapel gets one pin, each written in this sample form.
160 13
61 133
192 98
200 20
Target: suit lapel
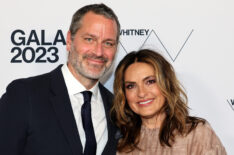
107 98
62 106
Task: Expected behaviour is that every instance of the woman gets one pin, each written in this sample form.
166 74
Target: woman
150 109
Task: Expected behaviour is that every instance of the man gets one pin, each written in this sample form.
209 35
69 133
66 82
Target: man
48 114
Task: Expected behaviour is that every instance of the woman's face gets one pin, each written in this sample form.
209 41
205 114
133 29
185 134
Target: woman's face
142 92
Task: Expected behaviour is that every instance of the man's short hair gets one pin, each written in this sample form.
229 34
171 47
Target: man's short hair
100 9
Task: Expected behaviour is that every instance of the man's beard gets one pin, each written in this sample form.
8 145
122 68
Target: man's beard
82 68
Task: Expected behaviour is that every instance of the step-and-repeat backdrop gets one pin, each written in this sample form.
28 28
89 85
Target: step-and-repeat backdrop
196 36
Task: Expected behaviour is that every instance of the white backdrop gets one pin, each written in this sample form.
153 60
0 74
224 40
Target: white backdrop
196 36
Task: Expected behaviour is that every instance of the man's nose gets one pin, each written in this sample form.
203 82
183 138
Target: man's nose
99 49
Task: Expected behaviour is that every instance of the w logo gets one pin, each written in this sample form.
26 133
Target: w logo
154 40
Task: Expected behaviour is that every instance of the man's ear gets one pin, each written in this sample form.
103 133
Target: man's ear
68 41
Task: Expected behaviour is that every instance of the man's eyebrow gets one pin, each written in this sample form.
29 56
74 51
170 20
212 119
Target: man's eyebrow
109 39
88 34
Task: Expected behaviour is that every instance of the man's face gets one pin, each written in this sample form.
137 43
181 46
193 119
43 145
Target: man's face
93 47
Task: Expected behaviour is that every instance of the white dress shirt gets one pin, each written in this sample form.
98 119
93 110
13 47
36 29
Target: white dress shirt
75 88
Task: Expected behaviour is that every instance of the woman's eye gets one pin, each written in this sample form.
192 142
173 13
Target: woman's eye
129 86
151 81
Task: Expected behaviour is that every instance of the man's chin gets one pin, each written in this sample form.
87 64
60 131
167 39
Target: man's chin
95 75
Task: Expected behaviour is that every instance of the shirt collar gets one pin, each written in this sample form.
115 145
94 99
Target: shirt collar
74 86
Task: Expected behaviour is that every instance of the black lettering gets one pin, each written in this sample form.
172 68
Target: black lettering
43 42
14 59
21 39
32 55
232 101
54 53
124 32
146 31
136 32
141 32
33 38
59 38
131 31
43 53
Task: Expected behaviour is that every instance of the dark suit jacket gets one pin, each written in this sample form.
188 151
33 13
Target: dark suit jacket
36 118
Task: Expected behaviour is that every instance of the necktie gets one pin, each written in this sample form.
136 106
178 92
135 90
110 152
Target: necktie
90 145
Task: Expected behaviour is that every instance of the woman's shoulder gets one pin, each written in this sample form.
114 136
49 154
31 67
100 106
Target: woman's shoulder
204 136
204 127
202 130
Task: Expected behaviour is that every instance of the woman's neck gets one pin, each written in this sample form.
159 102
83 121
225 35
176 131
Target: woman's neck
154 122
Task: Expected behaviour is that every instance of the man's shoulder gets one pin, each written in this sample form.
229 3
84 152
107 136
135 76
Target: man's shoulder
104 90
34 81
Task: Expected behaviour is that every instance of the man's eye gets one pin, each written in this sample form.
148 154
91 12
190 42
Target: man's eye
109 44
88 39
